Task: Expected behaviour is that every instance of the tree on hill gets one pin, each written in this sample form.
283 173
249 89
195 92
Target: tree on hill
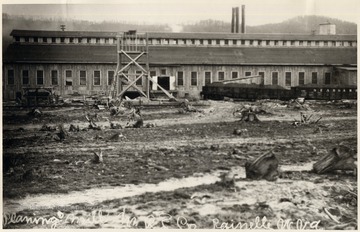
300 24
11 22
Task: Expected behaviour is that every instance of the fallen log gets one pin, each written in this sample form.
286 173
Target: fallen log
339 158
264 167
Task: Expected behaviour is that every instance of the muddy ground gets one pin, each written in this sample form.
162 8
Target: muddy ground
180 173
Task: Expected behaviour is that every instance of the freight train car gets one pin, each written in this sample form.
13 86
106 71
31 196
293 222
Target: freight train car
219 90
325 92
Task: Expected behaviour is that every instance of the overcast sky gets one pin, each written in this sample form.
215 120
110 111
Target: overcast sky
184 11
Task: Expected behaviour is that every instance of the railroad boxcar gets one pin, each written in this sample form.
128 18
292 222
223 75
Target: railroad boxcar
325 92
218 90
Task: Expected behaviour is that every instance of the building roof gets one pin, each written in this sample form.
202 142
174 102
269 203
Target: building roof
347 68
49 34
171 35
181 55
298 37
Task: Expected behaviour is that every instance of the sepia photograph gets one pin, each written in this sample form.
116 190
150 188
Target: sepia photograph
179 114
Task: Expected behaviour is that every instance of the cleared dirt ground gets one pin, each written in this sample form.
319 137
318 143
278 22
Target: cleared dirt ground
174 175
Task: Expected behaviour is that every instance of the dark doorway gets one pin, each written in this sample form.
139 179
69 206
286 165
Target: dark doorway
18 95
164 81
132 94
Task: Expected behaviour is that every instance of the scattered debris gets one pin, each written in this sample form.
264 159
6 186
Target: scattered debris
249 117
248 113
332 217
92 117
61 161
92 124
46 127
31 174
242 132
135 119
158 167
74 128
149 125
35 113
116 137
98 157
227 180
100 107
114 125
200 199
264 167
113 110
339 158
305 119
186 107
62 133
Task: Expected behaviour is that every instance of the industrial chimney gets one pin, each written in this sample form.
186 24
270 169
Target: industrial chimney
243 19
232 20
235 20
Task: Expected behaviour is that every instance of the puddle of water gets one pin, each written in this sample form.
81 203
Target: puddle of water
296 168
98 195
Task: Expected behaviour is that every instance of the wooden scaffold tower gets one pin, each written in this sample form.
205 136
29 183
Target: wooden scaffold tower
133 53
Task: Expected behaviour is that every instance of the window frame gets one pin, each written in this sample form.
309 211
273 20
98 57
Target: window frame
12 76
52 78
301 78
275 78
82 78
232 74
287 82
97 77
314 76
22 77
66 77
163 73
37 76
327 79
218 75
192 78
140 81
108 77
262 78
182 78
205 77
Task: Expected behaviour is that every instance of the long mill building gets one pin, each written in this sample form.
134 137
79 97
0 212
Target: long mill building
84 62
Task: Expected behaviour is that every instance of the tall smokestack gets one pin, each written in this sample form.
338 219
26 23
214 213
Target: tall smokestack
232 20
243 19
237 20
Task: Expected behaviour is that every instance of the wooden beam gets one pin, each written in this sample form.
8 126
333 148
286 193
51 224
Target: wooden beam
131 85
127 82
239 79
164 90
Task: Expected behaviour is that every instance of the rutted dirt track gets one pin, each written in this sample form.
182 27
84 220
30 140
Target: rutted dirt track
173 175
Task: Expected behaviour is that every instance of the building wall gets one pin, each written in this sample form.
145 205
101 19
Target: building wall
187 89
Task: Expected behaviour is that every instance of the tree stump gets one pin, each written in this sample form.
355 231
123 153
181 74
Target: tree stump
264 167
62 133
98 157
339 158
248 116
73 128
